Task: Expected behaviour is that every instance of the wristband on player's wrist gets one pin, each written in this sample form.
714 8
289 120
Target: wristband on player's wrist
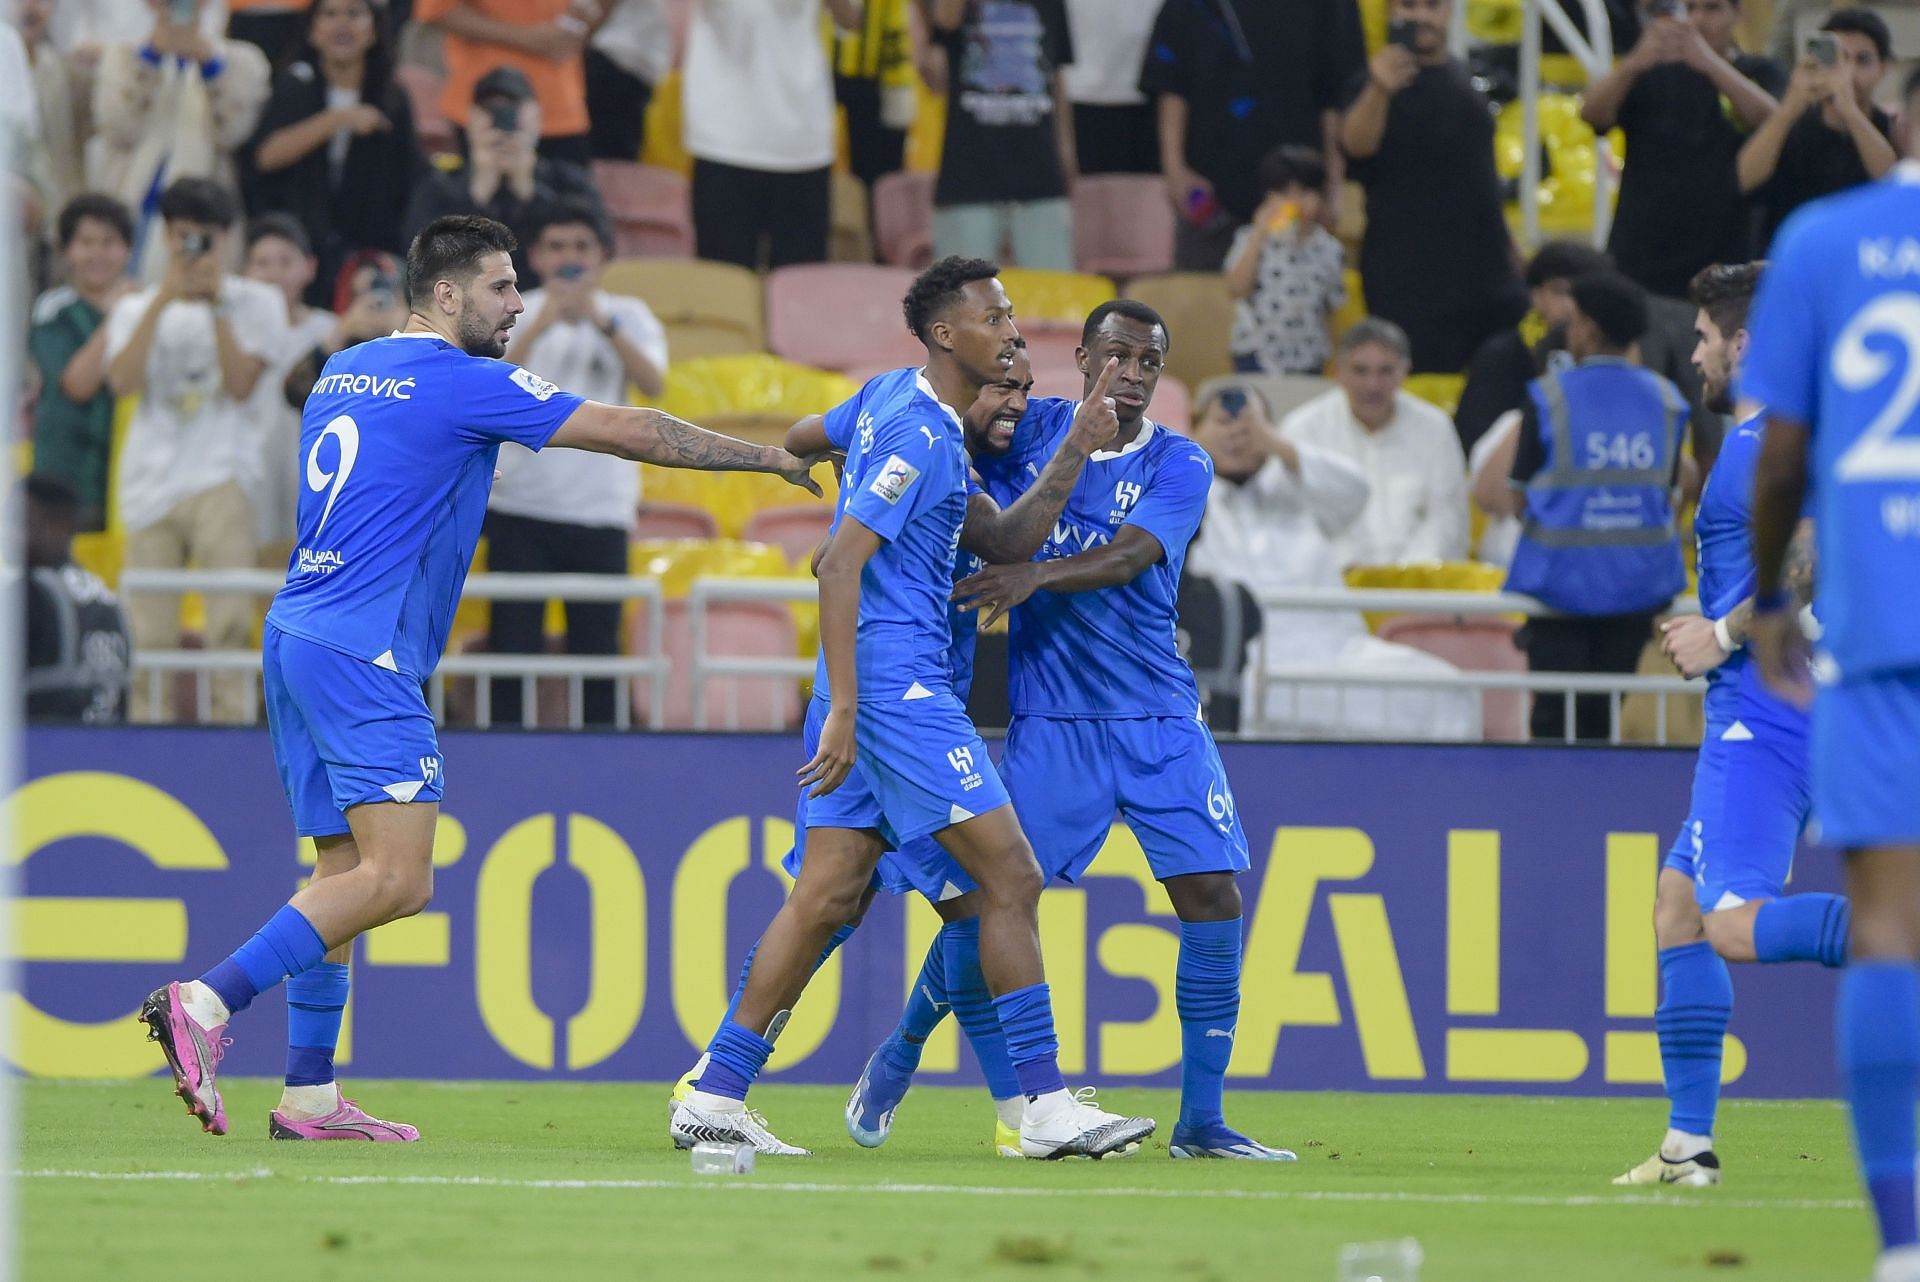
1772 602
1724 636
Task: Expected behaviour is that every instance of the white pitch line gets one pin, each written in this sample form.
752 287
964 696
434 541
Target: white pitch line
752 1184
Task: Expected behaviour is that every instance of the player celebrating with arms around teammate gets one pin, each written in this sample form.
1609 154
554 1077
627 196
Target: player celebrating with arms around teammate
1719 897
1836 360
897 760
399 439
1106 715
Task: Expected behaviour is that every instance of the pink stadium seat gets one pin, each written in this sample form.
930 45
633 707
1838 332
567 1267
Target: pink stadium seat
840 316
1122 224
903 218
1472 645
1051 349
735 629
796 529
650 207
423 86
675 521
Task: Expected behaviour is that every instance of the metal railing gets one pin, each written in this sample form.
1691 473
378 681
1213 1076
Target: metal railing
704 667
154 665
1464 605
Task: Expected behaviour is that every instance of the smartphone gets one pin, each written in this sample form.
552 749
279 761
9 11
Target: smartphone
183 13
570 271
1232 401
1824 48
506 116
382 289
1404 33
195 243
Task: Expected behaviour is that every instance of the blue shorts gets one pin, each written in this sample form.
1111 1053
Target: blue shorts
345 733
1163 775
1751 796
902 789
1866 760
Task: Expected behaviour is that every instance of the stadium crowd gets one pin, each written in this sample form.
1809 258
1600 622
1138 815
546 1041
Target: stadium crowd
215 197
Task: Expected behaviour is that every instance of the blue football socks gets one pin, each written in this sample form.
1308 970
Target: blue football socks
927 1005
1810 927
1206 991
316 1000
1879 1040
286 946
1696 1003
1026 1016
735 1057
974 1009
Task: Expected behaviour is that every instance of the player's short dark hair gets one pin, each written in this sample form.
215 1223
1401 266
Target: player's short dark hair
1564 260
1127 309
1293 166
98 206
284 226
568 211
1724 291
198 200
451 248
938 288
1614 303
1862 22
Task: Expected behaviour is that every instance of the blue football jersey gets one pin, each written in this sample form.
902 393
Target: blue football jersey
1110 653
397 449
1836 345
906 480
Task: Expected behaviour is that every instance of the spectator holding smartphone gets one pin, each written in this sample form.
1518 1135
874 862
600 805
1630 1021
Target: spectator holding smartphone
367 304
192 348
1686 98
504 176
335 147
1827 135
544 40
1287 271
1436 259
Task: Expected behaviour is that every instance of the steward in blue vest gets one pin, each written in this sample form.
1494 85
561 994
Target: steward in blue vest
1593 470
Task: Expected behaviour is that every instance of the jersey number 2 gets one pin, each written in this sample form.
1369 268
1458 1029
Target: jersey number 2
347 432
1878 455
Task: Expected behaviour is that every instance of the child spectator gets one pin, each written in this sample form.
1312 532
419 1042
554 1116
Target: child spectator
1287 271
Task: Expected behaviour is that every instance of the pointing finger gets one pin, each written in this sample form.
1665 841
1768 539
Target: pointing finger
1099 392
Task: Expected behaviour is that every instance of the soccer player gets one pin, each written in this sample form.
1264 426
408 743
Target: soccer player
896 758
1719 895
1836 361
1106 716
991 533
399 439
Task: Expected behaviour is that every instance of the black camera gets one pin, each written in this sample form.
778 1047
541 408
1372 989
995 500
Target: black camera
195 243
1404 33
506 116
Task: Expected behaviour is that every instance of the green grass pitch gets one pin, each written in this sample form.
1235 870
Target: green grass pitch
527 1181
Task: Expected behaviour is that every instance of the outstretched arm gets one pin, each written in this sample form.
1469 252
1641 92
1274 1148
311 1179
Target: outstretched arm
649 436
999 588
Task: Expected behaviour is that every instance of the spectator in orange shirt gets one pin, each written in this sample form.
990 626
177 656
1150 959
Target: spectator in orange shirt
543 39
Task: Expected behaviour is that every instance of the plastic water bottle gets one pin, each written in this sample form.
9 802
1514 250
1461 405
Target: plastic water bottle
1381 1261
722 1159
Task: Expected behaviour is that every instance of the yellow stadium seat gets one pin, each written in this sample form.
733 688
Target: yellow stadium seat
731 498
1429 576
664 140
1199 313
678 562
927 135
1054 298
756 384
709 309
1439 390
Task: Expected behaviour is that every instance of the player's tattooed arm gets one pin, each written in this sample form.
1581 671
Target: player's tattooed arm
1796 575
650 436
999 588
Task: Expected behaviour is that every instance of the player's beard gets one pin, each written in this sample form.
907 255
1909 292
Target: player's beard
478 336
1720 399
